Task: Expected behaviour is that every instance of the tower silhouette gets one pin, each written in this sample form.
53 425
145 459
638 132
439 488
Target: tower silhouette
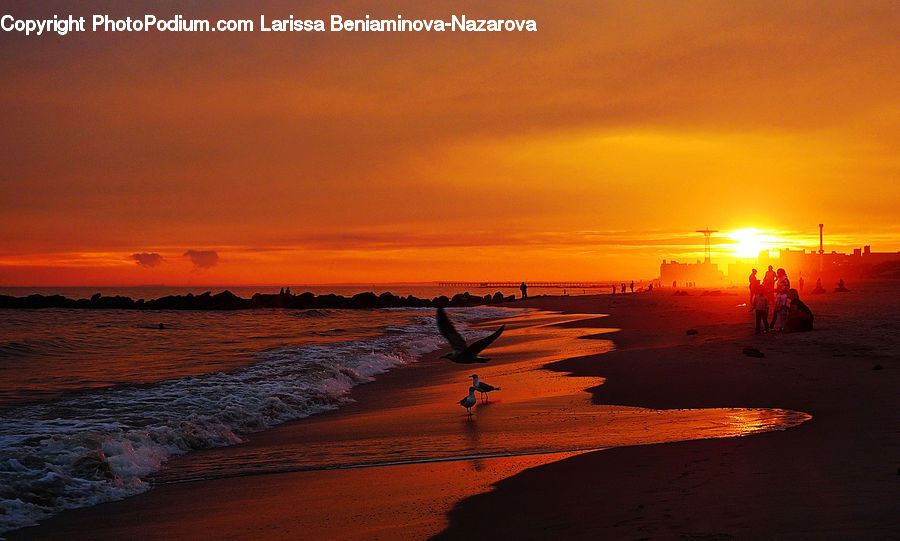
821 244
706 233
821 248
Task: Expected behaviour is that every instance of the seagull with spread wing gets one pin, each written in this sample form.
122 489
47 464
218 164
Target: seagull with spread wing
462 353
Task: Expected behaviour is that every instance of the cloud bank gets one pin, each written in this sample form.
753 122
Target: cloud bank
147 260
203 259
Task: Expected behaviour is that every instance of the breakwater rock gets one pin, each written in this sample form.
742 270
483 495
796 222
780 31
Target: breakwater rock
227 300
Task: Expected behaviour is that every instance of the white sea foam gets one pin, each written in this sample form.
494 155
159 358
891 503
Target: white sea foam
100 445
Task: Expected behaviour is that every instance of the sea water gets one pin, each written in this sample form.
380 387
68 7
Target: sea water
94 401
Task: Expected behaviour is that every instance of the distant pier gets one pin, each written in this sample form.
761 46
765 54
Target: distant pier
562 285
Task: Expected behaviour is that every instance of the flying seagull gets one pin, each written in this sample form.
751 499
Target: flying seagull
468 401
482 387
461 352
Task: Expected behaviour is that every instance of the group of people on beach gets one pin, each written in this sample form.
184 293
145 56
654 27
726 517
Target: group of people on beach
789 313
625 287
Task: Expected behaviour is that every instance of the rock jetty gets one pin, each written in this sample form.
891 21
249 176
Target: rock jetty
227 300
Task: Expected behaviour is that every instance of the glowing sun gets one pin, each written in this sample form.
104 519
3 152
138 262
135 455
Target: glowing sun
749 242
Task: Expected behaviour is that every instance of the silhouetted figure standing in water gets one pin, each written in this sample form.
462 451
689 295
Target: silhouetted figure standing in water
754 284
623 287
800 282
614 289
632 286
524 289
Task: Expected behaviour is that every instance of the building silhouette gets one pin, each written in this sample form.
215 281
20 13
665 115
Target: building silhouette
701 273
862 263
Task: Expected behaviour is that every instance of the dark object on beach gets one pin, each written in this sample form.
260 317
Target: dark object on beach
462 353
691 331
877 367
753 352
681 293
841 288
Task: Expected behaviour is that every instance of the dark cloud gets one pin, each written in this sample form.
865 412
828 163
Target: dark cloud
147 260
203 259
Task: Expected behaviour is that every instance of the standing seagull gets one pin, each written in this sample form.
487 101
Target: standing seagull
482 387
468 401
461 352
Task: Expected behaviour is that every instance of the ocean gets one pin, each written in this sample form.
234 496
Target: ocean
92 402
95 403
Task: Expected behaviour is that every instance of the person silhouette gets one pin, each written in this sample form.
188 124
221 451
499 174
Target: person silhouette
614 289
779 314
632 286
524 289
754 285
761 305
768 283
783 285
799 316
819 289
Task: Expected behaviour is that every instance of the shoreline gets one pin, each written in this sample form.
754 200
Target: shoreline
633 337
833 477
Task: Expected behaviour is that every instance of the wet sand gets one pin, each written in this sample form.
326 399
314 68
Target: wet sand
836 476
832 476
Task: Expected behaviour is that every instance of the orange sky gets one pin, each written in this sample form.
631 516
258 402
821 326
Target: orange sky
591 149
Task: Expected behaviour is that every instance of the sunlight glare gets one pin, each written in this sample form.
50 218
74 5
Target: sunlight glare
750 241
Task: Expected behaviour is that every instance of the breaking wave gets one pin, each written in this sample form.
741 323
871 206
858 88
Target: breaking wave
100 445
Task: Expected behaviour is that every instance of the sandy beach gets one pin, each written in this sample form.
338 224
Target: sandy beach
614 427
238 237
